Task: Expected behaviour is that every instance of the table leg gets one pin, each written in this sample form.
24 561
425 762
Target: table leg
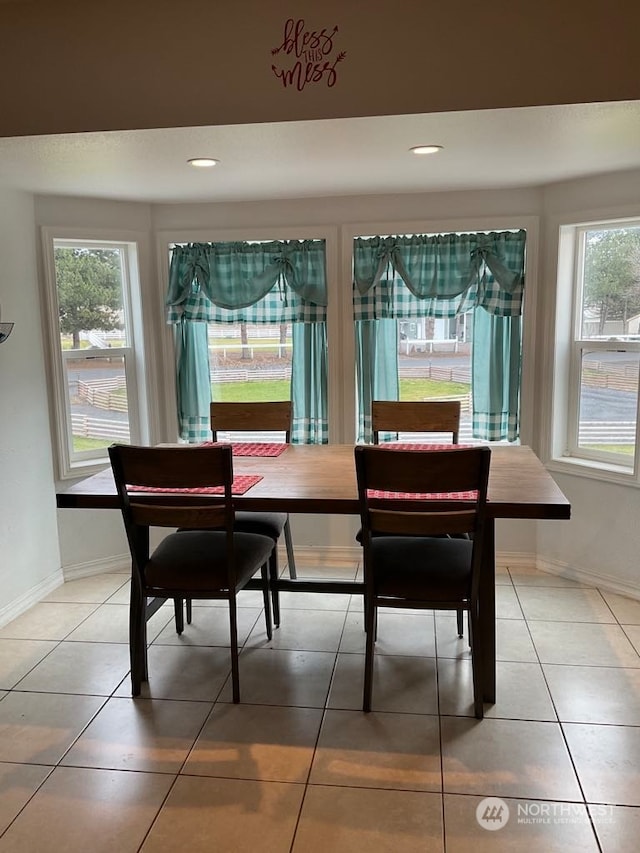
487 597
137 634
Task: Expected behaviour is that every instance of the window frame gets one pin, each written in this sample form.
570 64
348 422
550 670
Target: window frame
529 223
329 233
340 327
564 452
69 463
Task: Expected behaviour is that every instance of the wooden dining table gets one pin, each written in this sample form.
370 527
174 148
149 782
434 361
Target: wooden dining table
321 479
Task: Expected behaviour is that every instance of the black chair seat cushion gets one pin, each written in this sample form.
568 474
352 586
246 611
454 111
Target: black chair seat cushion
422 569
264 523
196 560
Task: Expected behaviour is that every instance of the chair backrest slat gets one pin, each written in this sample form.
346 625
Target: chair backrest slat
186 467
415 416
138 471
154 514
410 474
421 523
245 417
419 471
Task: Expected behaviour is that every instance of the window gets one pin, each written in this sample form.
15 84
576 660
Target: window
250 323
420 303
604 359
91 330
250 363
434 363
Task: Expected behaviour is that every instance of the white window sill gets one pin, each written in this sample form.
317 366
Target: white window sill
592 470
87 468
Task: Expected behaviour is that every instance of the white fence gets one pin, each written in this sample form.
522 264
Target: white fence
619 378
281 348
591 432
86 427
444 374
246 375
104 393
420 345
254 330
606 432
243 374
463 399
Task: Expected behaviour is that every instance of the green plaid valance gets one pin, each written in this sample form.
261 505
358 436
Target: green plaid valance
439 275
274 282
277 306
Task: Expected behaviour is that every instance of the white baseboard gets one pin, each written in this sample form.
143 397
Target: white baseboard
331 555
605 582
306 555
319 556
515 560
315 555
608 583
327 556
322 555
19 605
119 563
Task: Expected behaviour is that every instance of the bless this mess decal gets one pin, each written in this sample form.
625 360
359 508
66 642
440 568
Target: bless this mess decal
306 56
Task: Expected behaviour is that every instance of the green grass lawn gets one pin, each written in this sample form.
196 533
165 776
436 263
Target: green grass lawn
81 443
250 392
626 449
418 389
279 389
67 343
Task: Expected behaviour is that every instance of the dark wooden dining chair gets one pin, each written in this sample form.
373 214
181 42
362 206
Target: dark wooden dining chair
407 561
272 416
425 416
262 417
421 416
207 559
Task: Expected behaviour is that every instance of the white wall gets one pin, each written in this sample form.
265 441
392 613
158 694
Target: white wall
602 540
601 543
29 556
94 540
339 210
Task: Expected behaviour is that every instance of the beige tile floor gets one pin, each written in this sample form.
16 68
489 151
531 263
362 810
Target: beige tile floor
297 767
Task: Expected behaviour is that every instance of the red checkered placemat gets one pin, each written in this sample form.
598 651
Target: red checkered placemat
424 496
241 484
249 448
407 446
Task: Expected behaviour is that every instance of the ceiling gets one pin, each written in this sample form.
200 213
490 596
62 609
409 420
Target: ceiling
482 149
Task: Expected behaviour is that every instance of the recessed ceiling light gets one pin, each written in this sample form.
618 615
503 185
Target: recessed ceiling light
426 149
202 162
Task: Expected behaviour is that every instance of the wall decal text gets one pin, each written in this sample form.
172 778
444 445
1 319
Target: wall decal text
307 56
